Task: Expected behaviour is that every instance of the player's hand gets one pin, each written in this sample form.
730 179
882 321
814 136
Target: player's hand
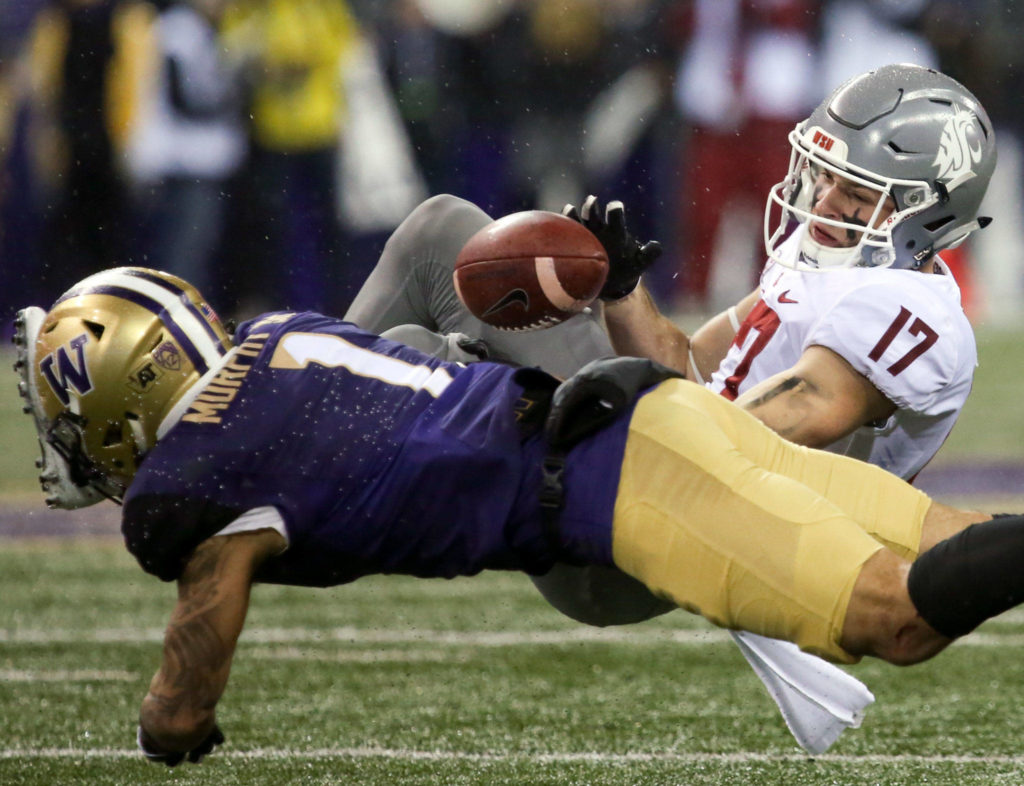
152 750
627 256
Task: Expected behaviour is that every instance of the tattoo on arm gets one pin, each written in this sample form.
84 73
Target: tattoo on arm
786 385
199 643
787 417
196 655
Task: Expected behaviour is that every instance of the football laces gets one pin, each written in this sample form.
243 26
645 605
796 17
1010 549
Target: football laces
55 473
537 324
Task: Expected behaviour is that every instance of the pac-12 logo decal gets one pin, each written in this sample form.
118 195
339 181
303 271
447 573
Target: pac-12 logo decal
66 368
959 146
167 356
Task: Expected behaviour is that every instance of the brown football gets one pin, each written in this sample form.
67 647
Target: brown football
530 270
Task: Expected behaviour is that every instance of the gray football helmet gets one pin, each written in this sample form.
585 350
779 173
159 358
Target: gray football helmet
907 132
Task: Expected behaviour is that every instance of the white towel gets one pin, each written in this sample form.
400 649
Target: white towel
817 700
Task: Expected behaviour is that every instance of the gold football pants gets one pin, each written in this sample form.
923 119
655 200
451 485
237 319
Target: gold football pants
725 518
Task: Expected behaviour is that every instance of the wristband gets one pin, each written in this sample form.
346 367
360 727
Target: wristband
734 319
696 371
614 300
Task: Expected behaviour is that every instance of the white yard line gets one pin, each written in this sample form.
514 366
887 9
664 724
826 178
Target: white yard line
351 635
1015 616
375 636
64 675
401 754
403 655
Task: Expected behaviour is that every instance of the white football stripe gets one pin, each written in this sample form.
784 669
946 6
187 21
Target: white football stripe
552 287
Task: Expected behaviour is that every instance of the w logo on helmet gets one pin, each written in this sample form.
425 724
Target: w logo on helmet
956 153
70 372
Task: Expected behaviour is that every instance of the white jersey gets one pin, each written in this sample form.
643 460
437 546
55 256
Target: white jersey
904 330
168 141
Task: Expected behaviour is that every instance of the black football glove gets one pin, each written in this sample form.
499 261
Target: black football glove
627 256
152 750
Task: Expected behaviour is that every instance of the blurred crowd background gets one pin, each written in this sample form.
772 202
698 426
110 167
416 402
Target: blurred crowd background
265 149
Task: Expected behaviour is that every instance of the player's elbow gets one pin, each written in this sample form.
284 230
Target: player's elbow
818 435
815 423
913 643
807 425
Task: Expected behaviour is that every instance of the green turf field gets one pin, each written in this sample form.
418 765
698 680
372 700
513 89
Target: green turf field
992 423
475 681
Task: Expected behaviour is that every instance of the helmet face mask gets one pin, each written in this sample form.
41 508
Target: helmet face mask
910 135
67 437
102 370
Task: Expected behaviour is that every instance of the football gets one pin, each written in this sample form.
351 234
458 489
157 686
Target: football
530 270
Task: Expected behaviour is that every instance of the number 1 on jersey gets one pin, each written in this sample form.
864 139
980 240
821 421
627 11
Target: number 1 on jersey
917 328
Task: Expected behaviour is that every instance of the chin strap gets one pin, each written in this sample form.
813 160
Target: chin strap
55 474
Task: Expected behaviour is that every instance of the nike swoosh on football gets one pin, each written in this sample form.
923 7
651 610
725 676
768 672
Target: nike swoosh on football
784 299
515 296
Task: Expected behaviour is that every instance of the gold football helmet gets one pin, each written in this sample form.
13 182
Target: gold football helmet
102 370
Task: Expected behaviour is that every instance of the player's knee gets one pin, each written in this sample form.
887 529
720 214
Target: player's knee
443 222
428 212
444 206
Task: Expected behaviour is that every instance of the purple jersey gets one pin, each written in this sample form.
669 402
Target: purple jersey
380 459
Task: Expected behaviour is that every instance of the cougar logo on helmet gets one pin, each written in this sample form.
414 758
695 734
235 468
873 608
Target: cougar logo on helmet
956 153
885 133
70 373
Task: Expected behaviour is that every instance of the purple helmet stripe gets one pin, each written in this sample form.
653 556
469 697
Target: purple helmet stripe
150 305
170 286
